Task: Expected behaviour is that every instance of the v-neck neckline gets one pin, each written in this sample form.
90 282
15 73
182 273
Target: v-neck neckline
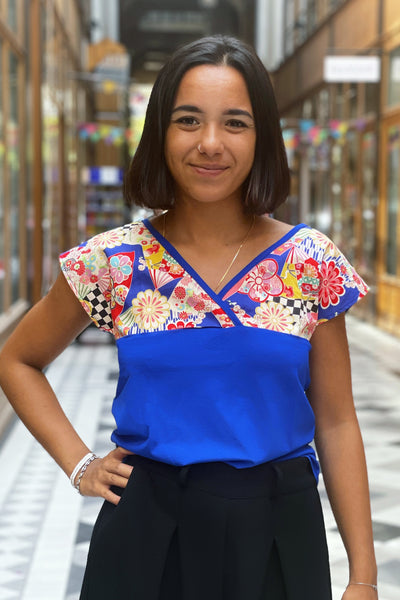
218 296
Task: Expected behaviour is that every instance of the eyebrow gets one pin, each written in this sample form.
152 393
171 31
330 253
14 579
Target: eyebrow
231 112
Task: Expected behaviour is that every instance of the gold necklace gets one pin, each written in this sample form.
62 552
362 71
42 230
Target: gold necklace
246 237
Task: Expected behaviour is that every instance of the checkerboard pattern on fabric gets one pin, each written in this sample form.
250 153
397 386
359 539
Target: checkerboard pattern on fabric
297 306
101 310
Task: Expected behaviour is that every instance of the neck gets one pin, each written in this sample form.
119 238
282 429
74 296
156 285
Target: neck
206 224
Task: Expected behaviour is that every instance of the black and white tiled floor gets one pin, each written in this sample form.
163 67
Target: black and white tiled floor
45 526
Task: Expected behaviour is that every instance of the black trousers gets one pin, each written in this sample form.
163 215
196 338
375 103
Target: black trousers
212 532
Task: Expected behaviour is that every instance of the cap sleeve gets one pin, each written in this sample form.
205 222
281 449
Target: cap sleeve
340 285
87 272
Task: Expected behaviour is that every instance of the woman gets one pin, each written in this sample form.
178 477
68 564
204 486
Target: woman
232 351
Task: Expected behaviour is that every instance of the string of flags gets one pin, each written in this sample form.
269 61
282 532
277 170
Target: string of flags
110 134
306 131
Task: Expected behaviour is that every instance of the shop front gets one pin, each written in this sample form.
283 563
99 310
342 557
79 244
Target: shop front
15 221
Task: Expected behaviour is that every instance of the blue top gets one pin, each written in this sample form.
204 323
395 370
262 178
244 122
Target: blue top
208 376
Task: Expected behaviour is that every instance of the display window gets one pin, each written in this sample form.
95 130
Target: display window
392 262
13 135
336 188
350 212
13 230
393 95
63 196
369 201
2 190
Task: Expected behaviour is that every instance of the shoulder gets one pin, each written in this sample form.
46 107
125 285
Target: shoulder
126 234
130 233
310 241
313 242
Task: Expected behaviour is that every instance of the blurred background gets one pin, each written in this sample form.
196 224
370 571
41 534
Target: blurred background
75 78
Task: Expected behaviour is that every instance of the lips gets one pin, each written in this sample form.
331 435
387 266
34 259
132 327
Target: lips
209 169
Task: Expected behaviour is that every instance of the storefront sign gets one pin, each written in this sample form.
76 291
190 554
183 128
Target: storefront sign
352 69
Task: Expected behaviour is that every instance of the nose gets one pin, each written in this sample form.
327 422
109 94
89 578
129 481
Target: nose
211 142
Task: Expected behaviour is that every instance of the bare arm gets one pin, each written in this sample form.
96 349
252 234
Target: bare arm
48 328
341 452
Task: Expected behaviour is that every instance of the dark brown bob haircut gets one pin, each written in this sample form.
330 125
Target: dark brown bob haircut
148 181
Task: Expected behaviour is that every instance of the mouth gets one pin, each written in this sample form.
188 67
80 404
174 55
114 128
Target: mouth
209 169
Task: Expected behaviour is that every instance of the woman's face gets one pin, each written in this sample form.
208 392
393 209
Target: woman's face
211 138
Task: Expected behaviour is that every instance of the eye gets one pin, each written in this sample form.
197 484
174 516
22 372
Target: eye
187 122
236 124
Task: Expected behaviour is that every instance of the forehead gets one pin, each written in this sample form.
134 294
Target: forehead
214 83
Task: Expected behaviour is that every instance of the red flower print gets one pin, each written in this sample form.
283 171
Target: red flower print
307 289
78 267
308 277
171 267
181 325
183 315
175 271
308 268
331 284
200 305
153 249
263 281
180 292
288 291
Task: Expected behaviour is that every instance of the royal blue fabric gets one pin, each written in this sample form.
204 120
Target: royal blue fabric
235 395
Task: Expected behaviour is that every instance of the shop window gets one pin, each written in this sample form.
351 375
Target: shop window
311 15
393 193
339 101
323 106
13 169
350 198
394 77
352 98
290 26
336 192
371 98
2 151
308 109
12 15
369 202
320 213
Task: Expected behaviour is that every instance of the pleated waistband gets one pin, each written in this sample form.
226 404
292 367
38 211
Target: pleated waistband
221 479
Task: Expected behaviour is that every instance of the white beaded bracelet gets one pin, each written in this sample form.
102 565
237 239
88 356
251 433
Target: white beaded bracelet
79 467
91 458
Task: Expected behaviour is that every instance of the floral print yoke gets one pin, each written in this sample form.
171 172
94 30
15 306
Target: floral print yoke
131 280
224 369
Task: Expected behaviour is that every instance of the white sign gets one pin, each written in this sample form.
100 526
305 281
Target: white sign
352 69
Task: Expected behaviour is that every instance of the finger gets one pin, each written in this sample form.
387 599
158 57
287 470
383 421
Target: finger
118 481
111 497
121 452
123 470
